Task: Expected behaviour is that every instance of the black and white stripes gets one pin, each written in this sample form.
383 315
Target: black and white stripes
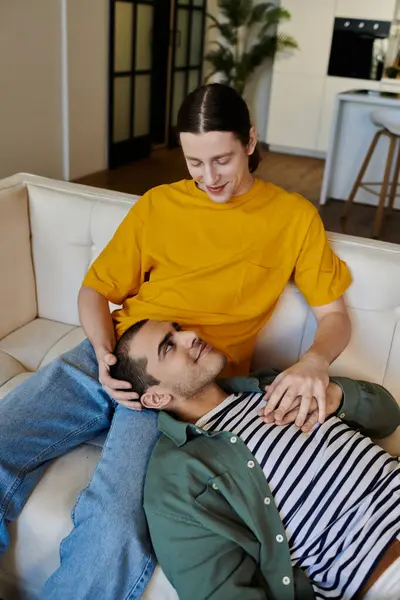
338 494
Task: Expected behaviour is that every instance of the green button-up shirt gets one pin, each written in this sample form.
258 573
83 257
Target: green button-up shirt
213 521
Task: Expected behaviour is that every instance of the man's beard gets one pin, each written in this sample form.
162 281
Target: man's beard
196 386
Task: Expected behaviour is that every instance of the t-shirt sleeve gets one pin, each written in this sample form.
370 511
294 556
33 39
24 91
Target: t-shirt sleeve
117 272
319 274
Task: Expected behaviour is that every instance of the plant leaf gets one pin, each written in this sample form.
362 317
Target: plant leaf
238 17
225 30
275 16
236 11
221 60
285 42
266 47
258 12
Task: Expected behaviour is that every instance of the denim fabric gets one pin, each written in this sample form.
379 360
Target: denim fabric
108 553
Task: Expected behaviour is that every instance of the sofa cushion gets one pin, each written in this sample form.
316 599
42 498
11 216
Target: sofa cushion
18 293
31 343
46 519
392 375
13 382
74 337
68 232
32 347
9 368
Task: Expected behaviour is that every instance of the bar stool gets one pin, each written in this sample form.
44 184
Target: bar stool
390 124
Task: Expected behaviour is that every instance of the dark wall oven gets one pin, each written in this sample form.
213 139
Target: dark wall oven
358 48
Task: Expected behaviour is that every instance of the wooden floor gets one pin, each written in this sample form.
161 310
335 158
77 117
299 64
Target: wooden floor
294 173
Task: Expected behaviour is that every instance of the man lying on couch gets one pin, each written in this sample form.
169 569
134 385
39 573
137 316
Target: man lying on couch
240 508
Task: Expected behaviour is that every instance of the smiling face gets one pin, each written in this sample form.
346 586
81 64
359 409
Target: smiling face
182 362
219 163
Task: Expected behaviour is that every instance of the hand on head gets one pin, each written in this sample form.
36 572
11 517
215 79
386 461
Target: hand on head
120 391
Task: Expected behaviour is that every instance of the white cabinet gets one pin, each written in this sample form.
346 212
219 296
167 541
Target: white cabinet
312 26
293 118
298 77
381 10
302 95
332 87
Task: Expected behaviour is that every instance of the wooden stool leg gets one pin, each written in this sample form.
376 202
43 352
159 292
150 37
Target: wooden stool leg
379 213
360 175
396 175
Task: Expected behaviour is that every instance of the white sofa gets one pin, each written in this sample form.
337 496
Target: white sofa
49 233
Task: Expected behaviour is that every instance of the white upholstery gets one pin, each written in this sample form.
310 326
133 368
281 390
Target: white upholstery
17 298
68 232
388 119
374 305
69 225
30 343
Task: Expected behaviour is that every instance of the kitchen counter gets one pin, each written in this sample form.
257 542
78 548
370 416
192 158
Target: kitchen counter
370 97
351 134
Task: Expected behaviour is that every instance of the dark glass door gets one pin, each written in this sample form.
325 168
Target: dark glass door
187 56
162 40
156 55
131 61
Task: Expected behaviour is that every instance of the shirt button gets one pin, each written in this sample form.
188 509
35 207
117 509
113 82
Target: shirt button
286 580
267 501
233 440
214 486
279 538
342 415
251 464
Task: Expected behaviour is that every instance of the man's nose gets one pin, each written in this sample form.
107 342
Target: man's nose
187 338
210 177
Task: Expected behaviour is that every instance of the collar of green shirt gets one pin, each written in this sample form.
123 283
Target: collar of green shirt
179 432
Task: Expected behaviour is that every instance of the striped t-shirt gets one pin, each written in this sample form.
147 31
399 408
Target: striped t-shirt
338 494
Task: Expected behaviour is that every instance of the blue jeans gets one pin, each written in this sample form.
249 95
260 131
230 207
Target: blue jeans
108 553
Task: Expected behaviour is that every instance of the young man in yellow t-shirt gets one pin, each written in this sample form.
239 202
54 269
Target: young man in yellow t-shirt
218 267
213 253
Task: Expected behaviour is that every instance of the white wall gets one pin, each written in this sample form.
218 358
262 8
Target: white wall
31 104
258 90
366 9
258 97
87 85
30 78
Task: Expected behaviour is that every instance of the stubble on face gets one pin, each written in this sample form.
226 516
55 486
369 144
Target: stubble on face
196 379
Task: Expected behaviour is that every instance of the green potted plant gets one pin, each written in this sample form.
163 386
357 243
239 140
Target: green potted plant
392 72
247 37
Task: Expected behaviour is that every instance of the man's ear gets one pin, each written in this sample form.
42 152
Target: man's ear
156 398
253 140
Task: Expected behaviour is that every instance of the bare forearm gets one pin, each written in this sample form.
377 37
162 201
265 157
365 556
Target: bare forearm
95 317
332 336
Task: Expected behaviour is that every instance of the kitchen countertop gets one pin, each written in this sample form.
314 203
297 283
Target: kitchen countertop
352 132
370 97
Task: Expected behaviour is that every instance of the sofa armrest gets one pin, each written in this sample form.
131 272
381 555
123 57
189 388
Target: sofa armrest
17 292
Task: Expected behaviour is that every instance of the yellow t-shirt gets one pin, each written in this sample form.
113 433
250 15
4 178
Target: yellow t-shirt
216 268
